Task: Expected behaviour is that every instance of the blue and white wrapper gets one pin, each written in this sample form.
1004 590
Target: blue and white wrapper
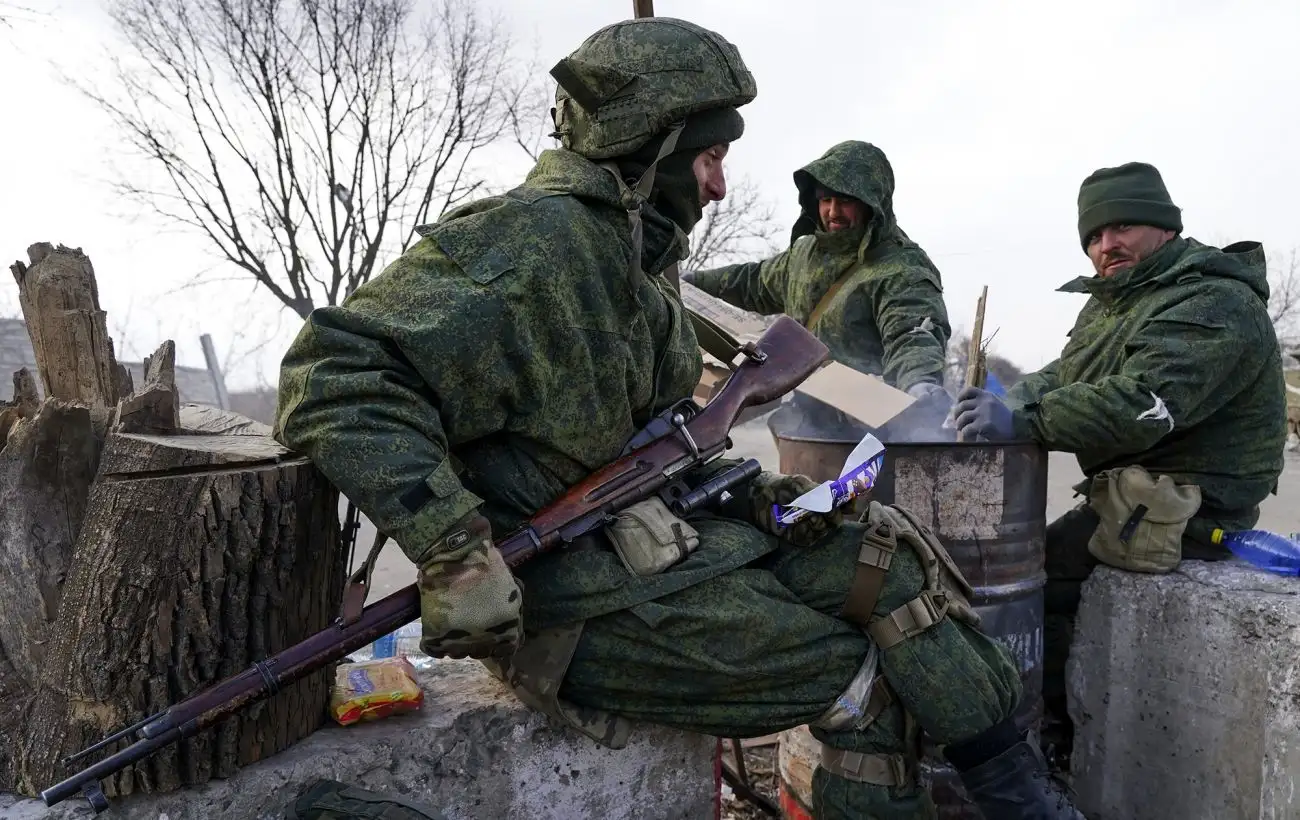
858 476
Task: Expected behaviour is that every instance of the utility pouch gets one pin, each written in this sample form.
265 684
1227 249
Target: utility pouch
649 538
1142 519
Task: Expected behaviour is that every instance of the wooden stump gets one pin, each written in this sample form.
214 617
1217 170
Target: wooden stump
149 550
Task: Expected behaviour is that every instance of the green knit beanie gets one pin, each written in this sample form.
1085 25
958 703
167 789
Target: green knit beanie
1132 194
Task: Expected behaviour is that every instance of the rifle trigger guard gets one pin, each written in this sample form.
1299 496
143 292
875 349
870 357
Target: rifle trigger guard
679 421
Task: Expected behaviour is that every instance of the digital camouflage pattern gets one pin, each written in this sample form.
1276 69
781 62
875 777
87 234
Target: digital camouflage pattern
514 350
1172 364
390 390
761 649
888 317
370 394
428 383
632 80
469 601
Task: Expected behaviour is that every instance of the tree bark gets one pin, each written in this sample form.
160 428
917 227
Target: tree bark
199 555
68 329
149 550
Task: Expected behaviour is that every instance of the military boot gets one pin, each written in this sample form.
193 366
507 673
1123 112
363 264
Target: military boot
1016 785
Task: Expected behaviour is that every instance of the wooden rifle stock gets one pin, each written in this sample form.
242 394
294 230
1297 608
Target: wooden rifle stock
783 357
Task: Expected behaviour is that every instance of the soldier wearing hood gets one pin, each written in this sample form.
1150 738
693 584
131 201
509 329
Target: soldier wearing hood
1169 392
853 278
517 347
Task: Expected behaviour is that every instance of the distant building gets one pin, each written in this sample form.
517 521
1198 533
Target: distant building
193 384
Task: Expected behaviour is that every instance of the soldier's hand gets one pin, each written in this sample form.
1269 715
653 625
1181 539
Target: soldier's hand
469 601
978 414
768 489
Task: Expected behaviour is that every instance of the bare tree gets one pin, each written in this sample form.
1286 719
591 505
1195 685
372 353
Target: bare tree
11 13
1284 295
306 139
739 228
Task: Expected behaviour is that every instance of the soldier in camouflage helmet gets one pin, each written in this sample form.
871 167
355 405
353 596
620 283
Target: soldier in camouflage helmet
1172 369
517 347
855 279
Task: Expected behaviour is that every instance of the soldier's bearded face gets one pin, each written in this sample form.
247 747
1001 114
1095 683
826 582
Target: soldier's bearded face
1117 248
709 174
840 213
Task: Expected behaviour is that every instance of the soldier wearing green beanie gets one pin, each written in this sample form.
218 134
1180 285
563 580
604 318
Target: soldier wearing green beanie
1169 392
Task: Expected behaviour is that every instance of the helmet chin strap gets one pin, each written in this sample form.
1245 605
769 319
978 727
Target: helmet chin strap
633 198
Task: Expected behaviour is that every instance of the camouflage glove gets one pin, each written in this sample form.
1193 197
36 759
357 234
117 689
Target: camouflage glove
773 488
469 601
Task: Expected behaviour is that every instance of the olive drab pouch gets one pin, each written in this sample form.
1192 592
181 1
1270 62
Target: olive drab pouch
649 538
332 800
1143 519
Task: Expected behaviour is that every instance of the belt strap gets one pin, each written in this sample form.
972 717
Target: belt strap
879 543
911 619
876 769
358 585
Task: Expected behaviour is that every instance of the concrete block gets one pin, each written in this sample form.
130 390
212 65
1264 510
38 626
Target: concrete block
473 750
1185 694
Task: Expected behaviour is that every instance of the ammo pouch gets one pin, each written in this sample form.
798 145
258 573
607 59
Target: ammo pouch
332 800
649 538
1142 519
946 591
535 673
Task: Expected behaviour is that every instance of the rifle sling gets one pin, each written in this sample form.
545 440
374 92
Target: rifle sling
715 340
825 301
710 335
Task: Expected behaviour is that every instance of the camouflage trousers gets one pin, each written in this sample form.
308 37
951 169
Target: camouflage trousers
760 649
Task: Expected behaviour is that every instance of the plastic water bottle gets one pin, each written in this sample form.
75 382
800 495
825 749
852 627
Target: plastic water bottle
403 641
1263 549
408 640
385 647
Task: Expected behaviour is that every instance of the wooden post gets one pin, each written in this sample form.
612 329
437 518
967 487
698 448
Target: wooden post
975 371
214 370
147 550
643 8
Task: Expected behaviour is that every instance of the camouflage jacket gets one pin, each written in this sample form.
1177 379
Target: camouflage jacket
1172 365
498 361
888 317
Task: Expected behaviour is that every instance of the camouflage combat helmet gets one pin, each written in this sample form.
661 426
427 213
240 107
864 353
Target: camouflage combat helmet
631 80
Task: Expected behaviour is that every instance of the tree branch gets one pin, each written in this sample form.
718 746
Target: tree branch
304 140
741 226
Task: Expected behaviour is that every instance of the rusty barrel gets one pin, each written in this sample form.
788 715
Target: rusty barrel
987 503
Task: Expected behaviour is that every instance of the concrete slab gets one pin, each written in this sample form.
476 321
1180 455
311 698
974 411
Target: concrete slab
472 750
1185 691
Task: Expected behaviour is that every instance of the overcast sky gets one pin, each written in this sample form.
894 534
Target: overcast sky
991 113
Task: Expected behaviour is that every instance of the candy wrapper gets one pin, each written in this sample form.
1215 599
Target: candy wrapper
374 689
857 478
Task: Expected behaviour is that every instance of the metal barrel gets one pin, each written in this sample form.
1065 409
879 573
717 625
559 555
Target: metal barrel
987 503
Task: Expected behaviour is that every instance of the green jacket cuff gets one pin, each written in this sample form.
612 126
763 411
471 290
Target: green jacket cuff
1022 424
450 502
